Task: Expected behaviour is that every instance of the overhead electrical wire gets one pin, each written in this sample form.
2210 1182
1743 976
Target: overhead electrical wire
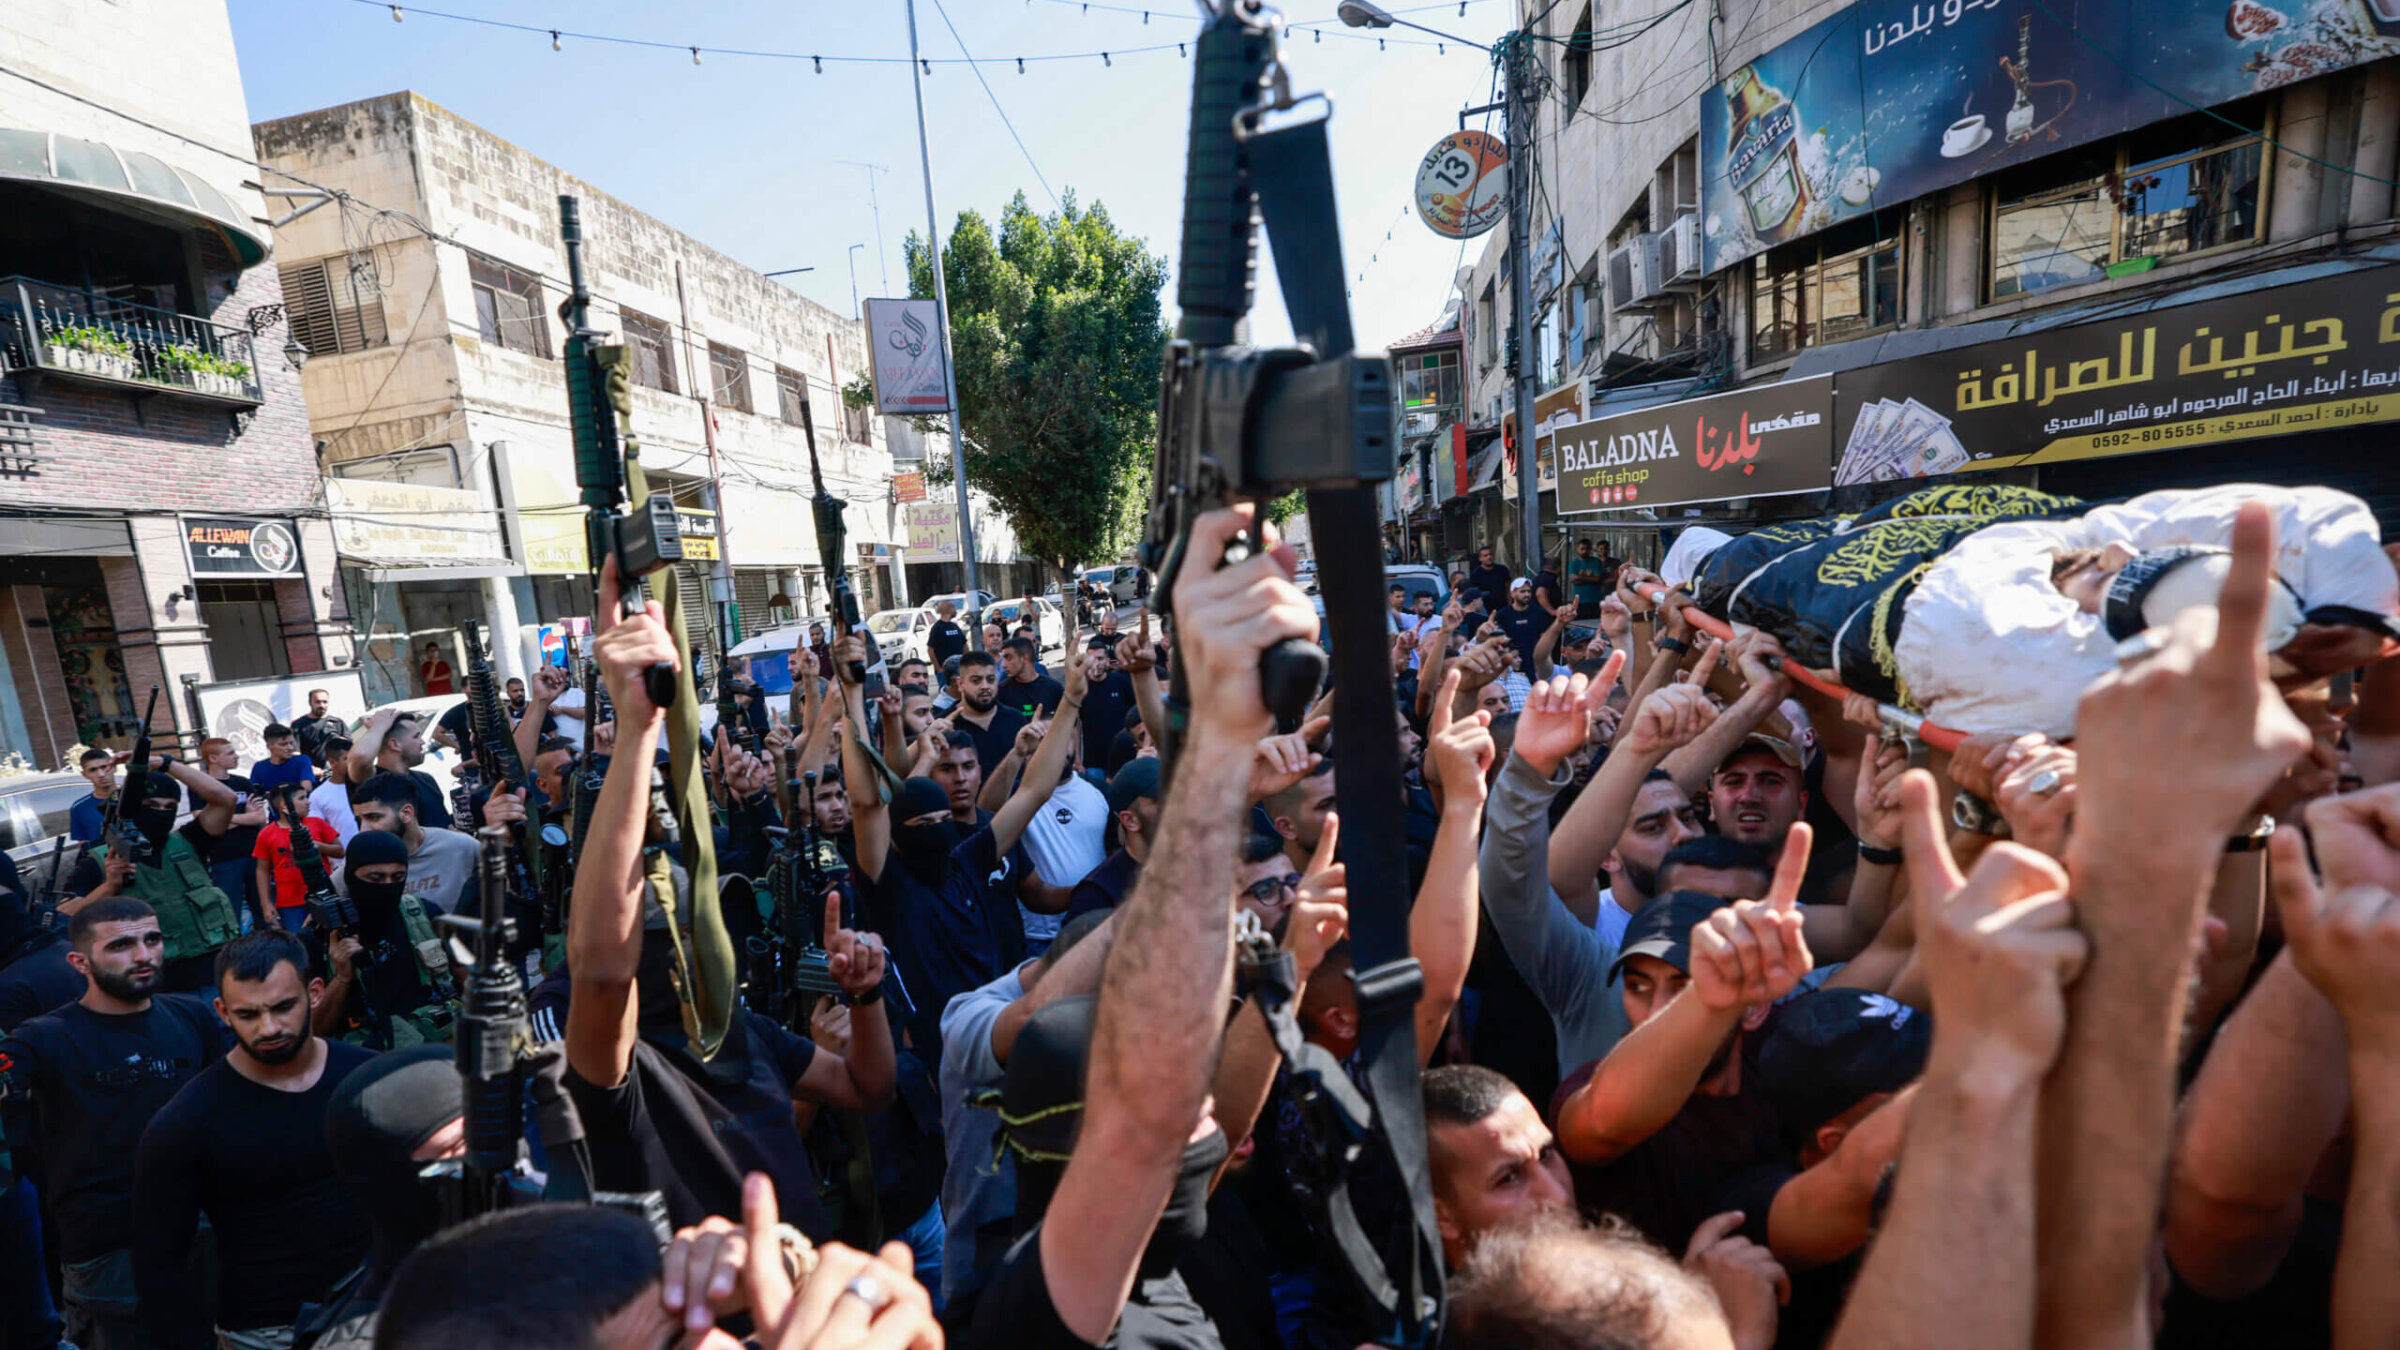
995 98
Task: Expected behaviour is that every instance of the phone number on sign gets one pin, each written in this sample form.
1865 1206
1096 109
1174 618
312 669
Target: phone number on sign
2180 431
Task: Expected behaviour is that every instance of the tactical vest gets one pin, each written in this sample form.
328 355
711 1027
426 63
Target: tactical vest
193 915
432 1022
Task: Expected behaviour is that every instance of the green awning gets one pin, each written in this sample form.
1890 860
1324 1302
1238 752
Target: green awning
129 180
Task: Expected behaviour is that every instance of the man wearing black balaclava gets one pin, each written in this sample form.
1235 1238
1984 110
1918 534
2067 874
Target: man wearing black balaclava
388 1119
1127 1176
197 917
941 886
658 1117
392 986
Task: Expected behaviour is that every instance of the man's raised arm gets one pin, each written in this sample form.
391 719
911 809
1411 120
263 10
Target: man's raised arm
1048 764
604 925
1163 999
870 816
1668 718
2197 713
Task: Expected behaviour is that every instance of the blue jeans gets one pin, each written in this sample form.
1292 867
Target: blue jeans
924 1237
236 877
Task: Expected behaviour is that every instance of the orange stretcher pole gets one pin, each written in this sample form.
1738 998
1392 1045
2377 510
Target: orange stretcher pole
1896 719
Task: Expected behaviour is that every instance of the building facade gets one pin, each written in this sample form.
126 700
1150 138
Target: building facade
440 404
161 519
1835 192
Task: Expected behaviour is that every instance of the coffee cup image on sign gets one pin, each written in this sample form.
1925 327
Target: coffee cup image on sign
1965 136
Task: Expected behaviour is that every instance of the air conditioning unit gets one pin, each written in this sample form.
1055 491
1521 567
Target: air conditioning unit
1419 424
1633 274
1679 252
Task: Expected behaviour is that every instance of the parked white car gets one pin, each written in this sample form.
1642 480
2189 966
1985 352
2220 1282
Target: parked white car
1052 624
902 633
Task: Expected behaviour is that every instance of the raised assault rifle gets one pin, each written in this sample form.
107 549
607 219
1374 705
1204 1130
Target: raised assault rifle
336 914
496 759
493 1038
135 845
804 867
1239 423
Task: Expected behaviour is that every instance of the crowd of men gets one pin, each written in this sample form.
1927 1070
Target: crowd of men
1742 1021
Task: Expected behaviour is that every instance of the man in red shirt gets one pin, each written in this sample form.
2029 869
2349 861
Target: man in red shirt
273 853
436 671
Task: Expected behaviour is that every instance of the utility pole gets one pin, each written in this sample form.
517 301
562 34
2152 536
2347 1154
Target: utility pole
875 202
1515 53
854 309
941 304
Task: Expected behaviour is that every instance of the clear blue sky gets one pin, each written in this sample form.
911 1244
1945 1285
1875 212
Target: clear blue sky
746 153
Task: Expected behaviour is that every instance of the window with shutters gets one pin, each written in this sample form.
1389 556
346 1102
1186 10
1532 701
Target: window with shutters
330 308
791 392
729 371
855 423
651 344
508 306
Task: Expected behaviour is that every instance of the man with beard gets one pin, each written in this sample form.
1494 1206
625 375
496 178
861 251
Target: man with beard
991 725
320 726
77 1088
1677 1109
243 1144
392 985
657 1116
195 915
1132 829
1027 691
393 742
943 881
441 861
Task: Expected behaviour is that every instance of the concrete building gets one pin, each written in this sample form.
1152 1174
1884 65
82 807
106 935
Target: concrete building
1668 263
431 299
161 522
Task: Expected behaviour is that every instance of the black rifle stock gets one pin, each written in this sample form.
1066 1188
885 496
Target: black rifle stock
833 539
497 761
492 1040
136 846
337 915
642 540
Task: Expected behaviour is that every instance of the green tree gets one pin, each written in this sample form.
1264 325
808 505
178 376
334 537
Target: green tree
1055 323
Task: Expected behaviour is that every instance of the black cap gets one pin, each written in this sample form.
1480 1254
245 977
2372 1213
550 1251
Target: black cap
1663 928
1832 1049
2122 610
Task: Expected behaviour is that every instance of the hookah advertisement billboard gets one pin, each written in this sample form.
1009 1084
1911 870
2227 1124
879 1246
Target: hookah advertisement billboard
1891 100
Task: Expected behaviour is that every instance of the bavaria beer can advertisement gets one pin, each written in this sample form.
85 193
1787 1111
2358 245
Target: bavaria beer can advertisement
1890 100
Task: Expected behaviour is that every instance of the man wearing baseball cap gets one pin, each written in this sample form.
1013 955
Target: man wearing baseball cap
1837 1070
1523 623
1132 824
1677 1109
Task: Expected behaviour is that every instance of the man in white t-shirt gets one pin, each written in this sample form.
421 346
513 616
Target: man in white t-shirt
1066 839
330 800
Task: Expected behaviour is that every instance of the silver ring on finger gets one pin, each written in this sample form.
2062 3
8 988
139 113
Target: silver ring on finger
2046 783
869 1291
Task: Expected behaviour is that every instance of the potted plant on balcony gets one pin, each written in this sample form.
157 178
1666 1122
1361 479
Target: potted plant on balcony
204 371
91 350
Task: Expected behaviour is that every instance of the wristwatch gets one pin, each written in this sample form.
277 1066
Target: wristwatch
1672 644
2256 839
1881 857
1976 816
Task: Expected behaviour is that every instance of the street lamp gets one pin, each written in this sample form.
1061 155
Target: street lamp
295 352
1361 14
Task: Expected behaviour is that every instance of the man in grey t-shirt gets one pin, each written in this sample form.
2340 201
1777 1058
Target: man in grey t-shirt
440 862
979 1199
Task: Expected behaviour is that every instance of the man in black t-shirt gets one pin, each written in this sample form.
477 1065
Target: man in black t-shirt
1523 623
77 1088
243 1144
657 1115
1488 576
1108 694
320 726
946 638
1026 691
229 858
991 724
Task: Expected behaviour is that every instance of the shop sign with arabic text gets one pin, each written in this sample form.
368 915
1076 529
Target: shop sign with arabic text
1764 441
2304 357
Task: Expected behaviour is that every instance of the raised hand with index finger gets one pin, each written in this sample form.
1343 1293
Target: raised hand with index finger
1751 952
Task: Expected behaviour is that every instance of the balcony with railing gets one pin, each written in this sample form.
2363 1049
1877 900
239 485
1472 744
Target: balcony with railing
48 330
